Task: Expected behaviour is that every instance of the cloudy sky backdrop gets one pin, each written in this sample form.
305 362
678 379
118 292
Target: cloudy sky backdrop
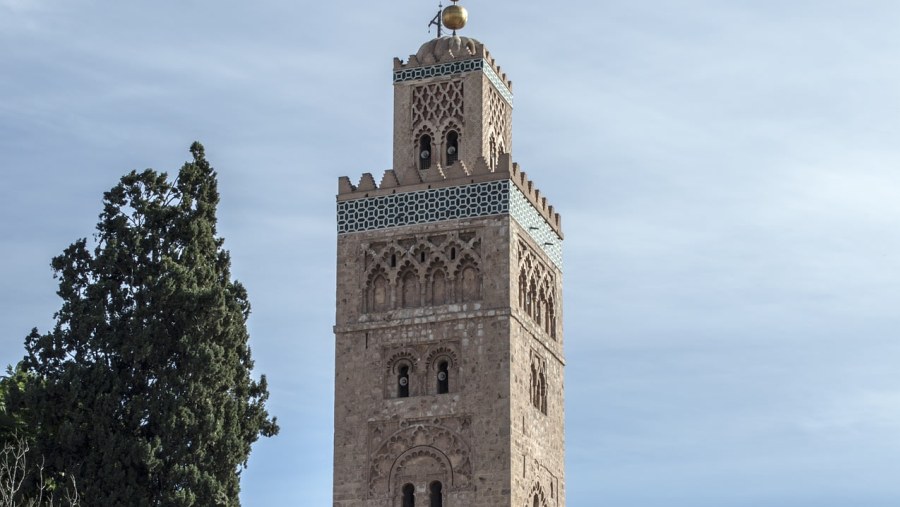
728 173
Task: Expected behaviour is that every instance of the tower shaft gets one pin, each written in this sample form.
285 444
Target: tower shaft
449 360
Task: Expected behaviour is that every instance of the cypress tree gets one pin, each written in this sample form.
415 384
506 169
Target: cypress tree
142 391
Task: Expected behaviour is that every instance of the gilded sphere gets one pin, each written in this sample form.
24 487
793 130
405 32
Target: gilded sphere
455 17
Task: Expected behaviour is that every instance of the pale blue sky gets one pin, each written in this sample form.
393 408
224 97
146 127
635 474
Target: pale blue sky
728 174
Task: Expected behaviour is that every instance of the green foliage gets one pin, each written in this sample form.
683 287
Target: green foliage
13 426
142 391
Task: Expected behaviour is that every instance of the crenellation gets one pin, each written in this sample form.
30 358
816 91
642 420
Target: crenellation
481 166
344 186
366 183
454 175
504 163
457 170
433 175
389 180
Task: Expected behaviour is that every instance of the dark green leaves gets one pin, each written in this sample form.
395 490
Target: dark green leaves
142 391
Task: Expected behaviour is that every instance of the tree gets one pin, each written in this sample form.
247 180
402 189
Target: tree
13 427
15 468
142 391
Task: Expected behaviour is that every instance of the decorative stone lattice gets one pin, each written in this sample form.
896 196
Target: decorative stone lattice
437 102
499 114
435 205
420 271
538 382
498 84
536 227
443 69
390 455
537 290
451 68
537 498
425 206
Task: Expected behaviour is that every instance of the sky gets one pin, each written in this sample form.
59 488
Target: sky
728 173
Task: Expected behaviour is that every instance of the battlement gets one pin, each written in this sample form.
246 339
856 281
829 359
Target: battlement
454 175
448 50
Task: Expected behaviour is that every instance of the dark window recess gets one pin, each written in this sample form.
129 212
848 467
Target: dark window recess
443 378
403 382
425 152
409 496
452 147
437 495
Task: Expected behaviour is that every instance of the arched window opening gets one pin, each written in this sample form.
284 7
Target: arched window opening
438 288
379 301
543 393
443 378
531 302
437 495
452 147
541 307
523 288
393 260
410 290
537 501
403 382
453 253
551 318
471 285
422 256
409 495
425 152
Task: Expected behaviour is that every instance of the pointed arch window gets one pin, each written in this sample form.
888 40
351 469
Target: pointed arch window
409 290
438 287
378 296
452 147
424 152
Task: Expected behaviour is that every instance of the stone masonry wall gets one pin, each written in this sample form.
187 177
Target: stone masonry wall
461 438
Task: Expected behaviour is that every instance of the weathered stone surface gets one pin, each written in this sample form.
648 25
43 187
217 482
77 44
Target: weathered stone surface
448 353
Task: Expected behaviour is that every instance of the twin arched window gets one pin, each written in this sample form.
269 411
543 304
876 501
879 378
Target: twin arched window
435 495
451 149
442 377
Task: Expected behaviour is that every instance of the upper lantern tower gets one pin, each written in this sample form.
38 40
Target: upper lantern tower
448 326
452 105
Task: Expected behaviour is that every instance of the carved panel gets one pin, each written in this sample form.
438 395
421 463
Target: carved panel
537 290
417 451
538 389
423 380
437 102
422 271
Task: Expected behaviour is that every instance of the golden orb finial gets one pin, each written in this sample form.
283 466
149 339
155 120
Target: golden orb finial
455 16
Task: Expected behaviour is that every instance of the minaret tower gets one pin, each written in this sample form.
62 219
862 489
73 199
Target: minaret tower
449 353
